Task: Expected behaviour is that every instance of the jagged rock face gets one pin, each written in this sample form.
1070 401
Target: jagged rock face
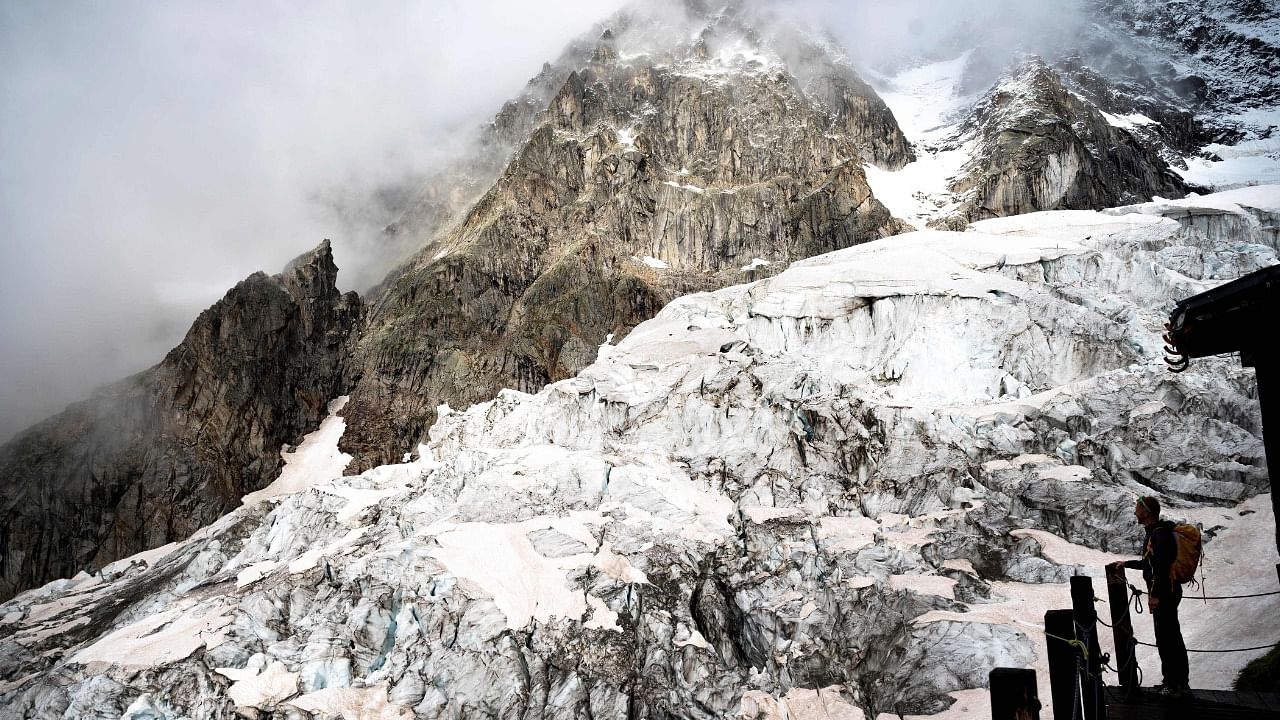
150 459
1232 43
650 174
1038 147
852 485
1174 131
447 194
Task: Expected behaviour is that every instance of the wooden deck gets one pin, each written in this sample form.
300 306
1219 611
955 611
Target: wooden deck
1204 705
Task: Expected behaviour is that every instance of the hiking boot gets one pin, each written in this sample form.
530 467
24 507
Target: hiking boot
1172 693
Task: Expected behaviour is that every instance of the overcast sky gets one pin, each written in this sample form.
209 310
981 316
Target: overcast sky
152 154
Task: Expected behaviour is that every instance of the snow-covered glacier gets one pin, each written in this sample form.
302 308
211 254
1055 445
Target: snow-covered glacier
848 490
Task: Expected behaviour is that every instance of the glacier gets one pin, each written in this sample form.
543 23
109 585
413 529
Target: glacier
847 490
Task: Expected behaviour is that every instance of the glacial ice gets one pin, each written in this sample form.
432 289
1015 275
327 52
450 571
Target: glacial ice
846 490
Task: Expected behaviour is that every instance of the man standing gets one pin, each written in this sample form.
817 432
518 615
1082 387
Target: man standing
1163 596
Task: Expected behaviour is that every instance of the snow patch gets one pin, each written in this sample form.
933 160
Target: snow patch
924 585
760 514
263 690
147 558
1062 552
161 639
349 703
799 704
310 558
927 103
919 191
651 261
255 572
602 618
1252 161
680 186
617 566
315 460
500 559
847 534
1131 121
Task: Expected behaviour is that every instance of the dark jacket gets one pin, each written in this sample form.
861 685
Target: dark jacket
1159 552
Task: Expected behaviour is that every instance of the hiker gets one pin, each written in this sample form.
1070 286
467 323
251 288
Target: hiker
1160 550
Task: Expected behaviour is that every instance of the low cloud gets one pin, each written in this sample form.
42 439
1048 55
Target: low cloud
156 153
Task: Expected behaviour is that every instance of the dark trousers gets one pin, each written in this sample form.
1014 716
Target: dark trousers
1173 652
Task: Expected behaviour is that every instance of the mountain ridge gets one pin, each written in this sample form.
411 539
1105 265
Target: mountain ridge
685 157
151 458
723 516
600 214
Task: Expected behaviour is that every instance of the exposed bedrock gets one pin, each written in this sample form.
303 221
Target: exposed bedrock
1039 147
646 177
1234 60
151 458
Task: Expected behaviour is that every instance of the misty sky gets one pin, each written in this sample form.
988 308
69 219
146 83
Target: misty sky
152 154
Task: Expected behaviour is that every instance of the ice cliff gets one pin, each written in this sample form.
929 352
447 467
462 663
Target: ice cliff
847 490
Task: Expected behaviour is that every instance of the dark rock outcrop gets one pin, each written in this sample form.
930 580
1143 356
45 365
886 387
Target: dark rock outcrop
649 174
151 458
1040 147
1175 131
1226 41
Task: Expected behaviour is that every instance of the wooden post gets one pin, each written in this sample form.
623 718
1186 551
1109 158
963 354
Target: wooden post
1013 694
1086 622
1122 627
1063 682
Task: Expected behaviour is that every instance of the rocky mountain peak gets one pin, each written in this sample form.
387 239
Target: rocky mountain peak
1039 146
312 275
150 459
655 419
659 163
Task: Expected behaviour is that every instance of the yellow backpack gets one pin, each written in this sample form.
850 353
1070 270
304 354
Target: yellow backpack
1190 553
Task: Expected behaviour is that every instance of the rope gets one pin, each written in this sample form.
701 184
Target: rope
1077 699
1248 649
1083 652
1086 635
1136 597
1072 642
1133 662
1235 597
1137 592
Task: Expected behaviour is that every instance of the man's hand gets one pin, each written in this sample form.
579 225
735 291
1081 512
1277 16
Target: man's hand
1153 602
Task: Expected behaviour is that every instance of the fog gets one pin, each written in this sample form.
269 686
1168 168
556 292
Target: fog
156 153
884 35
